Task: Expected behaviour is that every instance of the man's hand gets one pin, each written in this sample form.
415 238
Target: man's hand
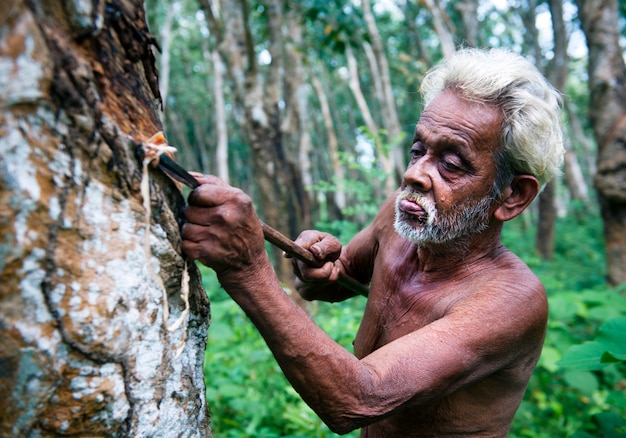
320 283
222 229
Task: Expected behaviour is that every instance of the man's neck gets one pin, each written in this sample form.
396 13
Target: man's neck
441 260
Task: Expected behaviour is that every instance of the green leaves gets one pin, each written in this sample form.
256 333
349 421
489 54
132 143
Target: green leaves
609 346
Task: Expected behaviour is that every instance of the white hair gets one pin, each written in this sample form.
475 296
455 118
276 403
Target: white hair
532 138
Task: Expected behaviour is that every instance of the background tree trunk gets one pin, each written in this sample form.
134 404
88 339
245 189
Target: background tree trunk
382 155
83 349
258 93
556 72
164 61
443 27
390 120
607 85
339 195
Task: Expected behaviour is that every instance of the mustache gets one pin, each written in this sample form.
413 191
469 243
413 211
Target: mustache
429 207
411 195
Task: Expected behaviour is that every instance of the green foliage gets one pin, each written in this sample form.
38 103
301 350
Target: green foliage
246 390
609 346
564 400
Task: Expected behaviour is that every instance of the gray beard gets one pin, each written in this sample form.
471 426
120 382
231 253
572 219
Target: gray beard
460 223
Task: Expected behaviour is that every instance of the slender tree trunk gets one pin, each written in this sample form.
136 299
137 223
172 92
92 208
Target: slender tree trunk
607 85
469 14
575 178
556 73
221 126
442 25
164 62
333 145
372 126
84 349
215 84
419 51
586 144
546 222
390 119
296 125
284 202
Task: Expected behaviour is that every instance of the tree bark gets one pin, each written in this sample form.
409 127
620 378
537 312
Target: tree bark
221 126
390 118
337 169
84 350
417 48
164 61
469 16
607 86
442 25
556 73
382 156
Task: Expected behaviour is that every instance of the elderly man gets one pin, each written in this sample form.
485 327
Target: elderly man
454 322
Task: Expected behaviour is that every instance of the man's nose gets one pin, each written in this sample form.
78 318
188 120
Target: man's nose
419 174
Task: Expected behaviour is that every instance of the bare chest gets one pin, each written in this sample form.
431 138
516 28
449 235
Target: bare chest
401 303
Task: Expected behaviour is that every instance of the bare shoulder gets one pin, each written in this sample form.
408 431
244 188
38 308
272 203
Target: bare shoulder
516 278
510 302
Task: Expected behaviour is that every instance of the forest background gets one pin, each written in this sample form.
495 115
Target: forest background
309 107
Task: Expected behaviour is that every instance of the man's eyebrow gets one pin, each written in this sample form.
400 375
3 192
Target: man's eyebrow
417 133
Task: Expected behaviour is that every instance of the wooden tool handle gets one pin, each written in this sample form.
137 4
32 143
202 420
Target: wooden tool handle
290 247
273 236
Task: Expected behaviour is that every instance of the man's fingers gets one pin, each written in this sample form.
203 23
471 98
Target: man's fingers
208 179
213 192
196 233
196 215
322 245
306 273
191 249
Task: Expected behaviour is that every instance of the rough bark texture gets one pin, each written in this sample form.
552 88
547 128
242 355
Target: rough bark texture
607 84
83 348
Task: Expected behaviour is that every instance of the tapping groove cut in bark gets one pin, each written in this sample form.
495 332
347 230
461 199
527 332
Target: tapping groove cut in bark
154 147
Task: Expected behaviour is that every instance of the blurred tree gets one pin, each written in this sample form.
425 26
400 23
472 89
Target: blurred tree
556 71
382 80
607 112
86 346
258 91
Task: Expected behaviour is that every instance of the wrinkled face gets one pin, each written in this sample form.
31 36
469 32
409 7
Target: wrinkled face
447 190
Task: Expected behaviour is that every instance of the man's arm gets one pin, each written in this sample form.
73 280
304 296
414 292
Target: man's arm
355 259
469 343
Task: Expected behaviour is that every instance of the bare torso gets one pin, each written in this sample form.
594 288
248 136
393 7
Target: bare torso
498 292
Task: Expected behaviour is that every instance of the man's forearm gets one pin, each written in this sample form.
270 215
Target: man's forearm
325 374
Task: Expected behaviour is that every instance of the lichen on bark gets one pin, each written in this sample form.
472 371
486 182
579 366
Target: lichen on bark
83 346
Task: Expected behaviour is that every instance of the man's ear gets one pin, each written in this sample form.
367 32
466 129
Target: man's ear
516 197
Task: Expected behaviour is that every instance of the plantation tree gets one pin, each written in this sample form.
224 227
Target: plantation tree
556 71
382 80
258 93
607 85
87 347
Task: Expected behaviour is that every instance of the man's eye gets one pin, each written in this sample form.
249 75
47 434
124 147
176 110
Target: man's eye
450 165
417 150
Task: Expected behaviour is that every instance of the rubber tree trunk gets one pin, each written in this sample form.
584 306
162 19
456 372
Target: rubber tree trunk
607 86
284 204
84 349
556 72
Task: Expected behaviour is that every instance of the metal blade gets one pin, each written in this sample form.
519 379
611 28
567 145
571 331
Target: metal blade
177 172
